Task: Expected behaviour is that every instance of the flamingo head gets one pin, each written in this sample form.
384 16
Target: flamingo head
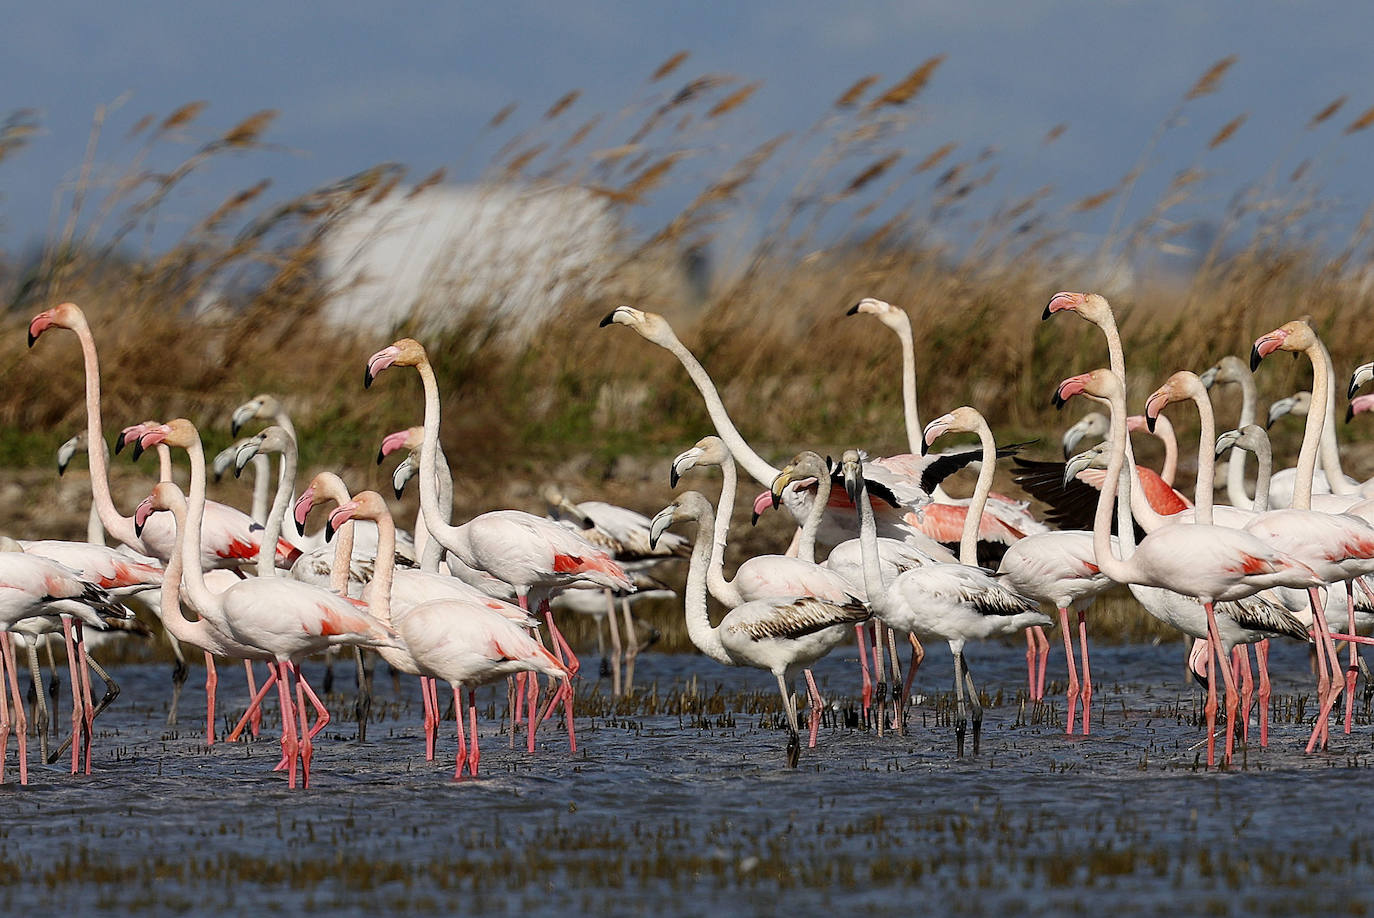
1094 458
649 325
263 407
706 451
324 486
893 317
131 435
405 470
1359 405
1182 385
689 505
1292 336
1251 437
411 438
1099 384
1229 370
1092 424
63 315
1091 306
166 496
806 470
852 471
406 352
68 450
960 420
302 508
1363 374
272 439
366 505
180 433
1298 404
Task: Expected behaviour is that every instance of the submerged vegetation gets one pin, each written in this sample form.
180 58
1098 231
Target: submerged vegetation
752 246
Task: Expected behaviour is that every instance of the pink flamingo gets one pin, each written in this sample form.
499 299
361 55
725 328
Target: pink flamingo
466 640
526 551
278 616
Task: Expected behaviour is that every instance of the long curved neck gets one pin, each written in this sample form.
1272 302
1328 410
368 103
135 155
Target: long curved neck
1165 432
909 411
435 518
724 591
753 463
379 601
267 551
1206 460
874 586
431 552
706 638
173 618
1264 457
1134 491
116 524
1312 433
1330 449
806 540
1235 468
262 488
204 601
968 545
1118 570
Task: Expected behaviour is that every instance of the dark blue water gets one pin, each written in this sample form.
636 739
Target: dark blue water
692 813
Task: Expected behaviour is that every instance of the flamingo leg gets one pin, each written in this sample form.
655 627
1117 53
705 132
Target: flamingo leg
573 666
1352 671
1071 698
975 701
1211 706
1232 701
76 694
211 683
1329 686
180 672
1030 662
790 712
1262 664
615 642
960 707
879 676
532 714
321 712
431 706
21 725
87 709
631 645
461 756
362 705
814 695
39 701
307 748
289 746
4 715
1087 673
861 631
474 754
898 699
918 653
1247 691
254 704
1044 643
255 724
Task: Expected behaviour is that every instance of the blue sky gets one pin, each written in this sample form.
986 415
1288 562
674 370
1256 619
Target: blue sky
358 83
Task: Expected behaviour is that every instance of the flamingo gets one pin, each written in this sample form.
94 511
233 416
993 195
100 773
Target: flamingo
278 616
525 551
465 640
1207 562
624 534
1299 404
33 587
954 602
782 635
1232 371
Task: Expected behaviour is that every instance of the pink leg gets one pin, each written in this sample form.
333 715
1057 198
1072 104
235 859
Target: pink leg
867 697
307 748
918 653
1232 701
1329 685
21 724
514 695
462 743
1210 708
816 703
1071 697
4 716
1247 690
1087 674
72 662
474 754
289 745
87 709
532 710
1352 671
1044 649
431 716
321 712
254 704
571 661
1262 664
255 723
1030 663
521 690
211 683
880 676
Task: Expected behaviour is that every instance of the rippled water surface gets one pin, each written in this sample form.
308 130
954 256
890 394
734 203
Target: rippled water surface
682 805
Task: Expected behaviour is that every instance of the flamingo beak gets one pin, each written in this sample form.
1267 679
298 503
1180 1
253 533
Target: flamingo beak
141 514
302 508
1152 409
1266 345
40 323
780 483
854 310
379 362
660 523
933 431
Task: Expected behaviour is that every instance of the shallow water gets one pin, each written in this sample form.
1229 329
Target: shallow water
693 813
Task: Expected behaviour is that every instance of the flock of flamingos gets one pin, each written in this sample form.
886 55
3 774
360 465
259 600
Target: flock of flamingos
464 604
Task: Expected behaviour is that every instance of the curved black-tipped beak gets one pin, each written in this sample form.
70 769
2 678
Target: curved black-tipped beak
925 447
238 471
234 428
1046 314
32 339
381 456
138 526
1058 401
673 476
1351 389
754 518
853 310
1349 414
119 443
400 493
1150 420
329 530
1255 358
610 317
300 527
137 450
367 378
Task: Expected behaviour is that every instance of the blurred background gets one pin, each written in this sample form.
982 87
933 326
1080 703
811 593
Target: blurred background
254 197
